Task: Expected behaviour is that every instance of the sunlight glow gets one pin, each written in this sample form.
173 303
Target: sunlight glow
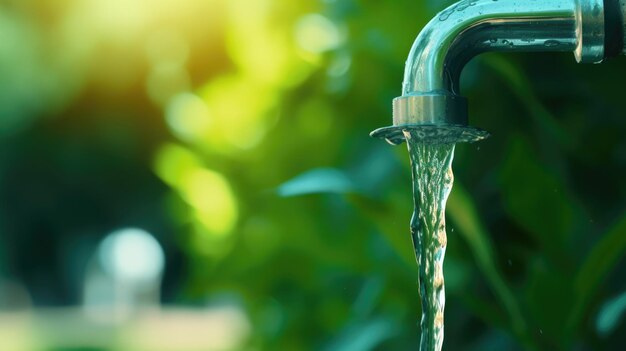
261 44
188 117
207 192
317 34
241 110
210 195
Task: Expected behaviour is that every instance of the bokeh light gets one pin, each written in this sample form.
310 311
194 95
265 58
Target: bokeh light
317 34
132 255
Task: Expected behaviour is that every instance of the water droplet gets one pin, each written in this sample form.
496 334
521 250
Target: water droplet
493 41
439 319
541 331
510 262
551 43
443 239
438 282
464 4
445 14
596 11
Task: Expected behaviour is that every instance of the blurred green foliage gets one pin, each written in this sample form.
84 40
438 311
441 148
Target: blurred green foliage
236 133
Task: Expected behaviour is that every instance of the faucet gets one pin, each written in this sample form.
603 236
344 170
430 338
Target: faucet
431 105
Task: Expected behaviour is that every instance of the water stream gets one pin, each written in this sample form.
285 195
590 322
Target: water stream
431 166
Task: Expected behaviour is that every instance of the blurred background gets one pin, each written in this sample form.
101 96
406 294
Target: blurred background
197 175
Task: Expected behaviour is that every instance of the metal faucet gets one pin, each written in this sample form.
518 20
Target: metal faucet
430 104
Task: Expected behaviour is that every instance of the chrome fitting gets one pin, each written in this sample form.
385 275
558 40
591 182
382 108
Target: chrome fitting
590 31
434 119
430 101
430 109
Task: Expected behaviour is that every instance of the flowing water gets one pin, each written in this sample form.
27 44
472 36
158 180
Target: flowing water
431 166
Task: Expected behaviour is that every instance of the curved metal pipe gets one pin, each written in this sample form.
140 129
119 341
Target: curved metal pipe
469 28
430 100
620 8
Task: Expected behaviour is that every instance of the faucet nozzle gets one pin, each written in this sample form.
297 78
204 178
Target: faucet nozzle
430 103
436 118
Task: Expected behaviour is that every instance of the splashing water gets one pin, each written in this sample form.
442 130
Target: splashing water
431 166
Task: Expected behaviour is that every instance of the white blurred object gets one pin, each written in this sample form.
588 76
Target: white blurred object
132 255
218 328
13 296
124 276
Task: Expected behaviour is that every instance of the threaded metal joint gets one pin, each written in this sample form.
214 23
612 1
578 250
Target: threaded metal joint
430 109
590 31
623 8
433 119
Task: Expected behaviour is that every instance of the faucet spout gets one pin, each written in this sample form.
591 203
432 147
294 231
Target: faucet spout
431 102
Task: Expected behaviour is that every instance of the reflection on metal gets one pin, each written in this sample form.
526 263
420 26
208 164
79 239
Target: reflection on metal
622 4
591 29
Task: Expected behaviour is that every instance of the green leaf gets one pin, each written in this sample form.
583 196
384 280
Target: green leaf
536 199
522 87
546 289
462 211
321 180
366 336
389 221
600 262
610 315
